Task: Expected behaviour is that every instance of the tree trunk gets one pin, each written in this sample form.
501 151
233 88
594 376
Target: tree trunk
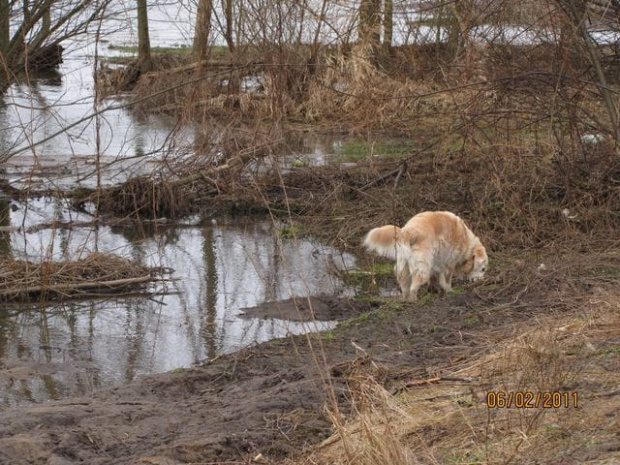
369 22
144 44
203 28
45 7
388 23
577 11
228 16
5 37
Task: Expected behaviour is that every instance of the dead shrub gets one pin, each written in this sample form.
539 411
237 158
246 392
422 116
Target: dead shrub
144 197
96 274
511 196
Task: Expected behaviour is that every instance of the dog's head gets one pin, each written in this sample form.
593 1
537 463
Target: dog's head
476 265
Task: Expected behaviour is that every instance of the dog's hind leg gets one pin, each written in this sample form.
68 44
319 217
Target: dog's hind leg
403 276
420 275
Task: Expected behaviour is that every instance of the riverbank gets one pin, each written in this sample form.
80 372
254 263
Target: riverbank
451 379
541 322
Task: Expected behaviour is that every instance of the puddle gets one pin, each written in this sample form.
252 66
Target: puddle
220 269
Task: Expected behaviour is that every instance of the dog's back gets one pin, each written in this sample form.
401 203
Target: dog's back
442 235
438 226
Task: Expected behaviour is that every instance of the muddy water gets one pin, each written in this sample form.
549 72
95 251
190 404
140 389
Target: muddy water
220 268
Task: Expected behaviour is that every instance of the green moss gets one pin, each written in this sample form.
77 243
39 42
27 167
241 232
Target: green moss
464 457
353 151
610 271
428 298
472 319
433 329
362 318
290 230
612 353
179 370
300 163
379 273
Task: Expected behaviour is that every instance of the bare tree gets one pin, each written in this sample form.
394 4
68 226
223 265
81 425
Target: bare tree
203 29
388 23
144 44
228 32
370 22
5 32
43 25
578 12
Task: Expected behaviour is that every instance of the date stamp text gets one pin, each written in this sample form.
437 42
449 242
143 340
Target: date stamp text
532 399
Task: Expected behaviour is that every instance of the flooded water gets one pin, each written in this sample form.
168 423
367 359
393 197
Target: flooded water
52 130
220 268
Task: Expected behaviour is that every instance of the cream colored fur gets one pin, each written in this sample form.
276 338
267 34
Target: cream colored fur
431 247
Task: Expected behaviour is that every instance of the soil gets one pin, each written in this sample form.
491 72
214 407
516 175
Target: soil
274 398
320 307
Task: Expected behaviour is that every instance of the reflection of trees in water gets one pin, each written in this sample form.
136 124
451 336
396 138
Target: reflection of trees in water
59 214
134 337
211 280
5 220
89 346
222 268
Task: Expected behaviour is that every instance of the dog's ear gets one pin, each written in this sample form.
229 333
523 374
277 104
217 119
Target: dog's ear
480 253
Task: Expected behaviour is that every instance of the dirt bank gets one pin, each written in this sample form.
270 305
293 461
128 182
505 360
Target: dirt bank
275 398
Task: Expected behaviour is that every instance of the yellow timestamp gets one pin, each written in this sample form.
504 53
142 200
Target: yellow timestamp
531 399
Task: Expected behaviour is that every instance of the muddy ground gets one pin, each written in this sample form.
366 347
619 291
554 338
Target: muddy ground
274 398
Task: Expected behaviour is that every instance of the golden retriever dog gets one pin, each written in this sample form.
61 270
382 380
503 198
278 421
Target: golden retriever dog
430 248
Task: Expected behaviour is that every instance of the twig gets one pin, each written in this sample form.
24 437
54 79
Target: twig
403 167
239 159
62 225
383 177
422 382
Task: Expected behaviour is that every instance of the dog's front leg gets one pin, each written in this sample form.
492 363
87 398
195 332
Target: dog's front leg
445 280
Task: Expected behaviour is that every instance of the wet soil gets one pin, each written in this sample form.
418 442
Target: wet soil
274 398
321 307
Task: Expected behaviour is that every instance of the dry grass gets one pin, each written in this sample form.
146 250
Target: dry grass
503 148
447 419
511 197
142 197
93 275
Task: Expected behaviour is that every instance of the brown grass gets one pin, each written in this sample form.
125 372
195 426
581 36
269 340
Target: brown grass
447 419
524 196
143 197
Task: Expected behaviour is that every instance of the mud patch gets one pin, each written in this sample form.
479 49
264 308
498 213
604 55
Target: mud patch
321 307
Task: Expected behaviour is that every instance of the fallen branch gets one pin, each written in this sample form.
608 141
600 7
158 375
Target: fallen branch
396 172
69 288
243 157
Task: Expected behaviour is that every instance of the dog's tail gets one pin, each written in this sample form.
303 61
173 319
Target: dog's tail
388 241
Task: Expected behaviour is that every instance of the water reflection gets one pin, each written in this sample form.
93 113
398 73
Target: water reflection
47 352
